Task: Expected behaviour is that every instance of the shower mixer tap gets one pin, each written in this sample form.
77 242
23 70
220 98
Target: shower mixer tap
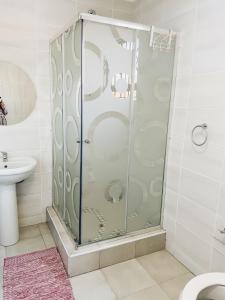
86 141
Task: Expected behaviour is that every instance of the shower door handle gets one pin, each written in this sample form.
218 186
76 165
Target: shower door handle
86 141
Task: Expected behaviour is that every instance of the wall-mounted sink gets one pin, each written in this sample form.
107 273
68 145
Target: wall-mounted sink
11 172
16 170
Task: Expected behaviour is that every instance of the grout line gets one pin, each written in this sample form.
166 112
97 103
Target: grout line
107 281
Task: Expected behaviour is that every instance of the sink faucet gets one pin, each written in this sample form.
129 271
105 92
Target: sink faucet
4 156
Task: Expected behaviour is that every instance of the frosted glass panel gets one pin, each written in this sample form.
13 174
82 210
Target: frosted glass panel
72 126
106 123
110 129
153 80
58 143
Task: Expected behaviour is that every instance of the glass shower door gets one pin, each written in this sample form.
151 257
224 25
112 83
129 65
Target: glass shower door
153 81
58 144
107 84
72 126
66 82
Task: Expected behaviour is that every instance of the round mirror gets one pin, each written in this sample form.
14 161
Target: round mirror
17 94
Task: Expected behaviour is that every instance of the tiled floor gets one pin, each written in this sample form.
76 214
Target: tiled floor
157 276
32 238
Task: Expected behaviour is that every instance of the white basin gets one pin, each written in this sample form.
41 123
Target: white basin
16 170
12 172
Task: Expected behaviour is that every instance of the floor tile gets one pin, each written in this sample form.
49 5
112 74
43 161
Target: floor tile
46 235
174 286
29 232
44 229
26 246
2 251
127 278
48 240
162 266
92 286
154 293
150 245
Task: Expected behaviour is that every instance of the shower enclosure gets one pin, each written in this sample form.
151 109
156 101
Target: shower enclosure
111 89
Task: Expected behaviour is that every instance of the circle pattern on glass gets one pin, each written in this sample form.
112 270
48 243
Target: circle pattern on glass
138 195
155 188
68 82
71 146
76 47
56 194
78 98
149 144
68 182
58 135
162 89
60 84
75 198
60 176
103 66
122 42
105 144
54 77
59 43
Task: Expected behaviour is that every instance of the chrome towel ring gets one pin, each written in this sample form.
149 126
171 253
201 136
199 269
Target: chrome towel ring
204 127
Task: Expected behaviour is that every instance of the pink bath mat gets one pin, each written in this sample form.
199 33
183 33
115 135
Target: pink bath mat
36 276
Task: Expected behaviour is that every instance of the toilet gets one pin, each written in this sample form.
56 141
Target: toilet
208 286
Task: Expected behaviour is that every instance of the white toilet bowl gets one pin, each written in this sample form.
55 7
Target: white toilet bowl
204 287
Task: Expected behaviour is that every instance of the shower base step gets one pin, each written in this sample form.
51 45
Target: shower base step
105 253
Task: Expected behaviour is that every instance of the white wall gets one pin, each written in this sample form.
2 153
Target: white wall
25 29
195 193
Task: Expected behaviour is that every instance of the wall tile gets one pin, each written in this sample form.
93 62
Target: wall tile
218 262
197 257
179 122
221 210
84 263
123 15
127 6
176 8
207 160
117 254
172 176
175 148
209 54
196 219
170 206
207 91
170 226
182 91
150 245
151 12
205 191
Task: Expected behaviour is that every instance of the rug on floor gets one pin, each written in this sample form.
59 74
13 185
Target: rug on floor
38 275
